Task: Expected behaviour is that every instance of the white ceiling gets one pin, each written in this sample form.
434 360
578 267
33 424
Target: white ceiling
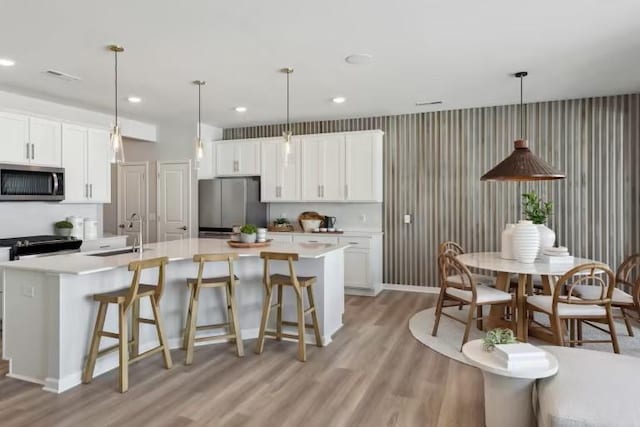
458 51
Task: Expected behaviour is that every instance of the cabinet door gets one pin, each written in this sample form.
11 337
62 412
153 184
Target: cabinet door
14 137
248 157
74 162
206 169
332 168
357 275
363 167
311 150
45 137
99 166
269 183
226 163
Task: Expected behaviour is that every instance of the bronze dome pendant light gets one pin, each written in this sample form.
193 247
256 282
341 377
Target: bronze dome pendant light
522 164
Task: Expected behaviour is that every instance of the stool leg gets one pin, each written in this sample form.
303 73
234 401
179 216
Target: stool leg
135 328
233 320
279 315
90 365
185 338
161 336
314 316
302 349
266 308
123 352
191 326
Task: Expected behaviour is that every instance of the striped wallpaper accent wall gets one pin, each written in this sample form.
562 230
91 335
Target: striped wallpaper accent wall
433 162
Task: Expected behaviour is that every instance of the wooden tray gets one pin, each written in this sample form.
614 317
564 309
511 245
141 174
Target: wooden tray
238 244
328 232
285 229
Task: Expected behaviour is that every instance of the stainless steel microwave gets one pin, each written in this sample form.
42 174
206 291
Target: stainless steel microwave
31 183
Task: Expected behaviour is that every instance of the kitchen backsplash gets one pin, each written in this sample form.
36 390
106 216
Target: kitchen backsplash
350 216
18 219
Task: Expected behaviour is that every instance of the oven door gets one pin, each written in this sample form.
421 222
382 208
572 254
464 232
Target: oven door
26 183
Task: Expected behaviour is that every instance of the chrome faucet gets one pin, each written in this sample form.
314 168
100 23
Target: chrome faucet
137 243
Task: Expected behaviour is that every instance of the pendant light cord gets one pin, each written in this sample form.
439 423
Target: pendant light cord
199 112
288 122
116 84
521 108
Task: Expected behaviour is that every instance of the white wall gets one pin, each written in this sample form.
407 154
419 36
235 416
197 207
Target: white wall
350 216
19 219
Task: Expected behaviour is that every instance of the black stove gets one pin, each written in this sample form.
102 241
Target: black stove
39 245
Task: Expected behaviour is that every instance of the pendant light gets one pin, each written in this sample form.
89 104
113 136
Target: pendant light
522 164
117 148
199 146
287 132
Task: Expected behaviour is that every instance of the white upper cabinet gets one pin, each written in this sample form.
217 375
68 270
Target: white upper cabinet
14 137
30 140
322 166
363 166
86 158
280 172
240 157
45 138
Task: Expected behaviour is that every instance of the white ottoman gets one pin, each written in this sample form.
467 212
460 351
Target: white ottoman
591 388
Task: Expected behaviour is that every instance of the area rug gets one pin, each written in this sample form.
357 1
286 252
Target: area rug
450 333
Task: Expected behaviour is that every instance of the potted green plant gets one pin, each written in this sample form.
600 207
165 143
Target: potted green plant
538 211
498 336
63 228
248 233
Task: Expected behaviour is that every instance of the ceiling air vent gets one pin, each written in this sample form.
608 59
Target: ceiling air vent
422 103
62 76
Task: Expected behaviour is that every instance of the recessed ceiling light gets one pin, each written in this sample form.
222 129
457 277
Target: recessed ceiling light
339 99
6 62
241 109
359 58
134 99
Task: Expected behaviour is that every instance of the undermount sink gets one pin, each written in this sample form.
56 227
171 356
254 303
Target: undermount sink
116 252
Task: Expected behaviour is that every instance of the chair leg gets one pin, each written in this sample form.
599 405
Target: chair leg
557 328
572 332
135 328
279 315
302 348
479 317
579 330
233 320
314 317
94 347
612 331
123 350
190 330
436 322
467 328
185 338
627 321
166 354
266 308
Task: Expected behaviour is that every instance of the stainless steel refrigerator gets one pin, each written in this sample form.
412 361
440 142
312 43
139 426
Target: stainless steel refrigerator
227 202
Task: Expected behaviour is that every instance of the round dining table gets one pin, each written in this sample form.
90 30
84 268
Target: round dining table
548 271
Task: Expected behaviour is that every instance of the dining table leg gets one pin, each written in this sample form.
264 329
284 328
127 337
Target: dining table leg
496 314
521 302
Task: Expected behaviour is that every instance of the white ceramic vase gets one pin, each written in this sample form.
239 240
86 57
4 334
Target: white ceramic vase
547 237
526 242
507 242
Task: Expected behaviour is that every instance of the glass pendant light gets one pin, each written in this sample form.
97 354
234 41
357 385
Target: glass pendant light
522 164
199 145
286 135
117 148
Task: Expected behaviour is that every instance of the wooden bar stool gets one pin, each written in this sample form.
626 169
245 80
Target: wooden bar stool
298 283
126 299
195 285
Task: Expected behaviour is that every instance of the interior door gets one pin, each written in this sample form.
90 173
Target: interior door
99 166
46 142
174 200
14 133
132 198
74 162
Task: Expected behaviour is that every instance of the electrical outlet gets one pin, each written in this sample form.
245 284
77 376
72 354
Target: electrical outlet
28 291
407 219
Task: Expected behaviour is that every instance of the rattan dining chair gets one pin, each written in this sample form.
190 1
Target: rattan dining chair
626 294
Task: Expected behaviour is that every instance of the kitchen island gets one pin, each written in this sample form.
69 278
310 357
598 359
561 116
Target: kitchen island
50 312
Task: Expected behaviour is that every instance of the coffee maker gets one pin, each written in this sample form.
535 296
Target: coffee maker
330 222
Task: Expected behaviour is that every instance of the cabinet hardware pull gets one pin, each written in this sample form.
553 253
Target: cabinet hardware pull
346 191
319 191
28 153
91 191
313 241
354 243
105 246
33 151
86 192
322 187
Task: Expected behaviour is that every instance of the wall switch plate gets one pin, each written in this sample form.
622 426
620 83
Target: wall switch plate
407 219
28 291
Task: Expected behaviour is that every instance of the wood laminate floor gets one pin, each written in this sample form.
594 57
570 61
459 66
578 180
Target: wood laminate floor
373 374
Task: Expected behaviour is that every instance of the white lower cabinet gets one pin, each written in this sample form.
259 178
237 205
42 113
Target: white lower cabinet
280 237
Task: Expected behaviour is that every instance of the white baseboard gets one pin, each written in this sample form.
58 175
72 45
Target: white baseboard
25 378
410 288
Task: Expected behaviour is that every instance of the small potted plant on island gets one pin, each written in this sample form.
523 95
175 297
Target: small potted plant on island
538 212
63 228
498 336
248 233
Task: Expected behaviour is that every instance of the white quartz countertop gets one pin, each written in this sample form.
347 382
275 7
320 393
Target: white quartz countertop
177 250
346 233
